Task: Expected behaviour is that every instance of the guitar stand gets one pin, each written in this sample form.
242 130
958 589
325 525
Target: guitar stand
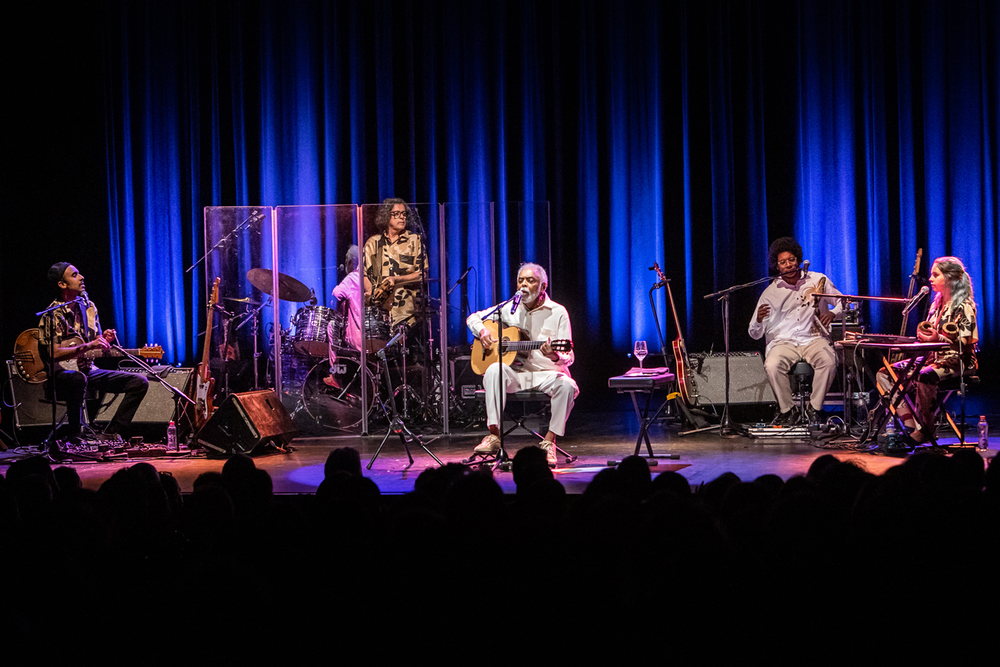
396 424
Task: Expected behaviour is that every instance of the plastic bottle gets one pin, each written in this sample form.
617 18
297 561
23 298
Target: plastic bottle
171 436
984 434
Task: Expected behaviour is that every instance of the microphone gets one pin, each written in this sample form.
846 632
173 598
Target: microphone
312 297
805 268
459 281
917 297
516 299
394 340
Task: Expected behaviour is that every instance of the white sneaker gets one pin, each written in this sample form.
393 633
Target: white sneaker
489 445
549 448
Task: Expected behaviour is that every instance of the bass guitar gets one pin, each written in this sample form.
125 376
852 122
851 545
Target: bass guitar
514 343
685 375
204 383
32 369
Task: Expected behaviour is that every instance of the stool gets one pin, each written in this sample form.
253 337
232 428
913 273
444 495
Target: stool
524 397
800 377
946 389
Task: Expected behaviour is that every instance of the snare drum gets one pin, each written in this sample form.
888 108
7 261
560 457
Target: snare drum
377 329
310 337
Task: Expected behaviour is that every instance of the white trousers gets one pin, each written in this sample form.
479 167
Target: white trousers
820 355
561 389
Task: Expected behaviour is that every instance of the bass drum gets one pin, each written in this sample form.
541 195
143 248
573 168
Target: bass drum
331 394
310 337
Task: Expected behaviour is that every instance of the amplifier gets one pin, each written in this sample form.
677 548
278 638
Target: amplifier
158 405
747 379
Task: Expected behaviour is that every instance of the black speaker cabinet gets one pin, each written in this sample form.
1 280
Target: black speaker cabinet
157 407
31 408
747 379
245 421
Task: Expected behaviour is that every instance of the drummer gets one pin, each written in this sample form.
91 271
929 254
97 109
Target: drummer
393 261
348 295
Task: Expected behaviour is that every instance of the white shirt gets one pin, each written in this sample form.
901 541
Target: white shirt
792 317
549 320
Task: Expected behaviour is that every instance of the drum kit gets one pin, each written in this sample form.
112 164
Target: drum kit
322 373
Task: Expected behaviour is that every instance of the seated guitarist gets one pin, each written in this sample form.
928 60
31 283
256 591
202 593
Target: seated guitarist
544 369
76 333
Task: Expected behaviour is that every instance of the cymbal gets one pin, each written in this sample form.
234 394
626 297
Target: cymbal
247 300
289 289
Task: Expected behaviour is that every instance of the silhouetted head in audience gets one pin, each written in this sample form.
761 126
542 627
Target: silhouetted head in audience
238 467
818 466
530 466
67 479
634 476
347 459
672 482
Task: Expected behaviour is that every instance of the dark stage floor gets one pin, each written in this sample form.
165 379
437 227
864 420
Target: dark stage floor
594 438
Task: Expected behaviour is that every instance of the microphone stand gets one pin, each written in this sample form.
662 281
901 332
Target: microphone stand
221 242
51 363
396 425
726 429
178 394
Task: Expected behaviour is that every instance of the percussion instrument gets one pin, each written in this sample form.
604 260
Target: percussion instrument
310 336
377 327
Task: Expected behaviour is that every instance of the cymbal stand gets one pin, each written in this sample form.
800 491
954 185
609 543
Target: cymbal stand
397 425
254 316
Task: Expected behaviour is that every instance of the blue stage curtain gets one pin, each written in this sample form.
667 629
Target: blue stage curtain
689 133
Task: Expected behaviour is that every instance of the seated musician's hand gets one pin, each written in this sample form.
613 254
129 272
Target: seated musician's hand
101 342
389 281
763 312
110 335
826 317
486 338
546 348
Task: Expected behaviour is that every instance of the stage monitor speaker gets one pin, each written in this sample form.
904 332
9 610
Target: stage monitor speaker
31 408
158 405
245 421
747 380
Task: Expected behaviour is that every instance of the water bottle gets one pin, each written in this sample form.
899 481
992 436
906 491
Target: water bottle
171 435
984 435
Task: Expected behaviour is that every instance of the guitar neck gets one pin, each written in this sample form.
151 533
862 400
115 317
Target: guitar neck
522 345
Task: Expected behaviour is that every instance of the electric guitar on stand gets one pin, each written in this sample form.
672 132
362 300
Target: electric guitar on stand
685 376
204 382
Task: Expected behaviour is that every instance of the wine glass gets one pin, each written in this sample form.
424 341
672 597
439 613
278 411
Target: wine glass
640 351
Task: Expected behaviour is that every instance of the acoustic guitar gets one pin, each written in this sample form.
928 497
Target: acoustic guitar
514 343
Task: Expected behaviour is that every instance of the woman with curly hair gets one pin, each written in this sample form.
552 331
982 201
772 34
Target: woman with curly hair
394 260
953 319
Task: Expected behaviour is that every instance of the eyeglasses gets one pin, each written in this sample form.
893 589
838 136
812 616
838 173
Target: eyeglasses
788 262
398 215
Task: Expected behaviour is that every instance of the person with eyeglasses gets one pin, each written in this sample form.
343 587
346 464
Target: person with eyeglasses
794 328
394 262
544 369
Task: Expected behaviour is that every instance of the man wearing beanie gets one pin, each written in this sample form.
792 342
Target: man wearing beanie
77 338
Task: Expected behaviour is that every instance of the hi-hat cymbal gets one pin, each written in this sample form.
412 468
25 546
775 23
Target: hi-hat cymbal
289 289
247 300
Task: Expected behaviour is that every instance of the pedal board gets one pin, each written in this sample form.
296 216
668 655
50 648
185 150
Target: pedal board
773 431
